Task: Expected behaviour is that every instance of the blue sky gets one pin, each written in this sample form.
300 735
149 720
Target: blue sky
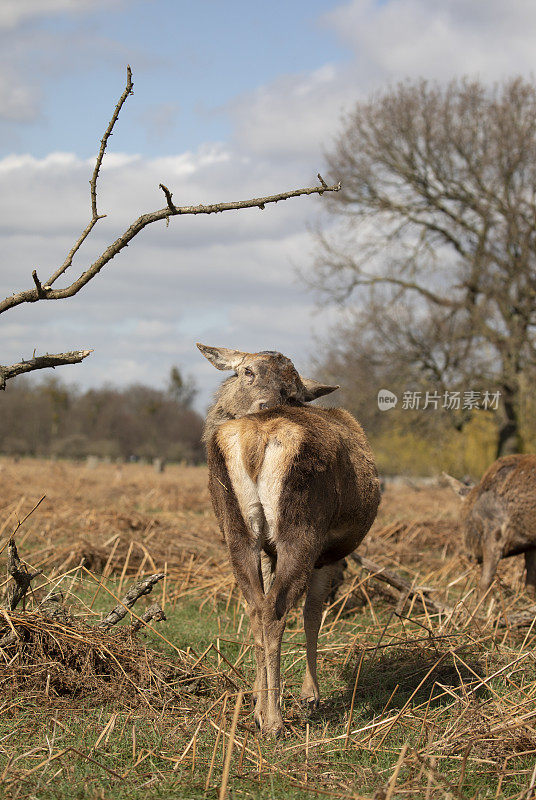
232 100
190 61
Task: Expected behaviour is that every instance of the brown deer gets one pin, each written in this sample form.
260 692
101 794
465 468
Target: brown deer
499 516
295 489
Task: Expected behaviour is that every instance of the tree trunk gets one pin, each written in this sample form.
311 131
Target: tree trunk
509 438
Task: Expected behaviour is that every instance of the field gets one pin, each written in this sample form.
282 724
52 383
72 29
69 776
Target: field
422 698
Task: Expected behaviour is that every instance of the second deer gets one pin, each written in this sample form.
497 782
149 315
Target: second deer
295 489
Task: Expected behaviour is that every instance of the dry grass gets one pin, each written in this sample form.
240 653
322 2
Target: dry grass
416 704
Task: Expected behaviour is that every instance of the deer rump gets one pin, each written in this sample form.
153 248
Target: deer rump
301 479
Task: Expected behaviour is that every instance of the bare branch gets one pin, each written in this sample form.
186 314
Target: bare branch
41 362
46 292
32 296
398 582
93 184
104 141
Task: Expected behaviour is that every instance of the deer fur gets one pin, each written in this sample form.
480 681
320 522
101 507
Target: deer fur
498 516
295 489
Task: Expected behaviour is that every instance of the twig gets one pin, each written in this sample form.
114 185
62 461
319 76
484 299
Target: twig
47 292
41 291
169 201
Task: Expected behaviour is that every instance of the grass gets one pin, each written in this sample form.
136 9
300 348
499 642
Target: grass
414 704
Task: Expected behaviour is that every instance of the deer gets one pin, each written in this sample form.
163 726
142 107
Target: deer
498 517
295 489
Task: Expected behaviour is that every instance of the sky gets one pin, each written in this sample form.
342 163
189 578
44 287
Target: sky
231 100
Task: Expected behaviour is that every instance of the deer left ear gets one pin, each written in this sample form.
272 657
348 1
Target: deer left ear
222 357
314 389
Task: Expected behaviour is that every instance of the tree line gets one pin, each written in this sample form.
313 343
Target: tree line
53 419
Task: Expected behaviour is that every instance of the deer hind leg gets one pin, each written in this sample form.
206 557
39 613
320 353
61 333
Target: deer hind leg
246 562
318 590
291 578
255 615
530 564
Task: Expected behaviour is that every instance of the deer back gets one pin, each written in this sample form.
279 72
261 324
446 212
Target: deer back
294 472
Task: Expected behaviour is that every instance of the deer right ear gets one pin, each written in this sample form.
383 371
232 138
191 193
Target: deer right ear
314 389
461 489
222 357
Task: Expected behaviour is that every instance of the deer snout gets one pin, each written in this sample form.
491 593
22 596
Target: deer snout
267 402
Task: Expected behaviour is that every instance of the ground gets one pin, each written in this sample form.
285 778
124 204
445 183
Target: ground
420 701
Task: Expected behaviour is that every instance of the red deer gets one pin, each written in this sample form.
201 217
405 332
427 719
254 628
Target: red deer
295 489
499 516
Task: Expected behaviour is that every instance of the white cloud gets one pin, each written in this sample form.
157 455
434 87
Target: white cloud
402 38
296 116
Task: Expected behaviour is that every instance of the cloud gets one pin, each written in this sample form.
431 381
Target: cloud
296 116
410 38
15 12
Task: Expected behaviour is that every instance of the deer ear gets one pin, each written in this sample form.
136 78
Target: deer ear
222 357
461 489
313 389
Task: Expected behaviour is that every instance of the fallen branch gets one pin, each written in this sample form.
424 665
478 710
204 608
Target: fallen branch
406 590
144 586
153 614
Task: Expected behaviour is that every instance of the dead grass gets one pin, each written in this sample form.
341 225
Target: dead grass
416 704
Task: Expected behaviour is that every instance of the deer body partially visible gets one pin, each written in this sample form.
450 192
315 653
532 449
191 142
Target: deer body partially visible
498 516
295 489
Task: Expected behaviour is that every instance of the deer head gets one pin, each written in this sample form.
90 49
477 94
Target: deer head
262 380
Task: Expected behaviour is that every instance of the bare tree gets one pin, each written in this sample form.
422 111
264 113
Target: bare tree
437 234
45 290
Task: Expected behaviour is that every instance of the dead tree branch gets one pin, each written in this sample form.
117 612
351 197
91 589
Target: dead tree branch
32 295
144 586
153 614
41 362
406 590
47 292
